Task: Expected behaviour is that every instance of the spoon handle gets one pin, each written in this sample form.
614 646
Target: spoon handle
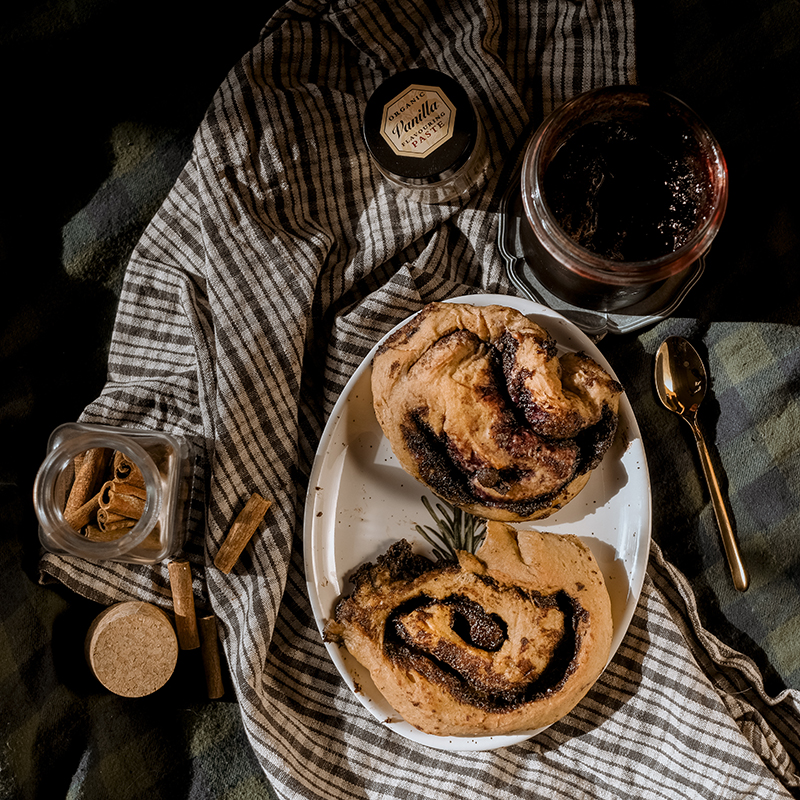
739 574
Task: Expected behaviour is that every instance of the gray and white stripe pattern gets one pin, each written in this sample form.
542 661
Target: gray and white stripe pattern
276 262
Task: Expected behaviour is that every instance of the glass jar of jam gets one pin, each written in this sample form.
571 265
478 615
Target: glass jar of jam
622 189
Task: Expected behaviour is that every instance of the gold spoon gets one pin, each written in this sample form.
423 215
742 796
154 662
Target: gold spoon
680 377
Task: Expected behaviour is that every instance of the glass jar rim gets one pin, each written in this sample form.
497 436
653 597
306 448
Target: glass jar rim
52 516
585 262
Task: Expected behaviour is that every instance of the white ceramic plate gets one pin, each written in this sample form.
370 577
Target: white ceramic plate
360 501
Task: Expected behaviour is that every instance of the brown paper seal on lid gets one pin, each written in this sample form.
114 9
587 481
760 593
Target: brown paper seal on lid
132 648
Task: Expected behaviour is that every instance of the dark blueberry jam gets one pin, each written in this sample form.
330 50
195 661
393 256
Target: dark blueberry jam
625 192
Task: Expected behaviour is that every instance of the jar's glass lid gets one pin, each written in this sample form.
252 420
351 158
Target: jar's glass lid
420 126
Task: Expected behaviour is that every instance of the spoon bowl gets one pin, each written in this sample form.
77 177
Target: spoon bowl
681 379
681 382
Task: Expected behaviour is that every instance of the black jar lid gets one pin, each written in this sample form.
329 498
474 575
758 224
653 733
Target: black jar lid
420 126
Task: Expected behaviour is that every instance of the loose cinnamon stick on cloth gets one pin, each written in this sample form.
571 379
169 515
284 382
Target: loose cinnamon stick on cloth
209 647
240 533
180 578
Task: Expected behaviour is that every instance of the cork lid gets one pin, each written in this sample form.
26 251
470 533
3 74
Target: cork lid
132 648
420 126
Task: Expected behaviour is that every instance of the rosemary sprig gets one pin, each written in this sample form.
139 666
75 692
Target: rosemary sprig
454 530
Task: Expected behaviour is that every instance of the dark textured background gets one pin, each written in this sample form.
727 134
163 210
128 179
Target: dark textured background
100 107
102 101
738 71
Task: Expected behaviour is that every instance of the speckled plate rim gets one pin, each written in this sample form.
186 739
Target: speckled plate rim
360 501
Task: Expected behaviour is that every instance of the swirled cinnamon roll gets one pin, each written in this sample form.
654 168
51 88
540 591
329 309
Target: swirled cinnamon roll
504 641
478 405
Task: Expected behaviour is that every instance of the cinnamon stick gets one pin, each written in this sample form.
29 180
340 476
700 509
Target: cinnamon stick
82 515
123 499
209 648
94 533
112 507
108 521
89 473
76 463
240 533
100 533
126 471
180 578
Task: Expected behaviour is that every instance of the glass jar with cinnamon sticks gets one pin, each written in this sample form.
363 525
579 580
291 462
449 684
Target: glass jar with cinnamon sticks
112 494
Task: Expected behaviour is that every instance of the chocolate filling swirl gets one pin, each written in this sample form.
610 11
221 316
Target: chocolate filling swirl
507 639
461 652
489 645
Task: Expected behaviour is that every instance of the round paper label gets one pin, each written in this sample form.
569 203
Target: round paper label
417 121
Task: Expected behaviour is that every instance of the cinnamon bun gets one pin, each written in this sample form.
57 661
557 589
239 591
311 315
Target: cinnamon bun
507 640
478 405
